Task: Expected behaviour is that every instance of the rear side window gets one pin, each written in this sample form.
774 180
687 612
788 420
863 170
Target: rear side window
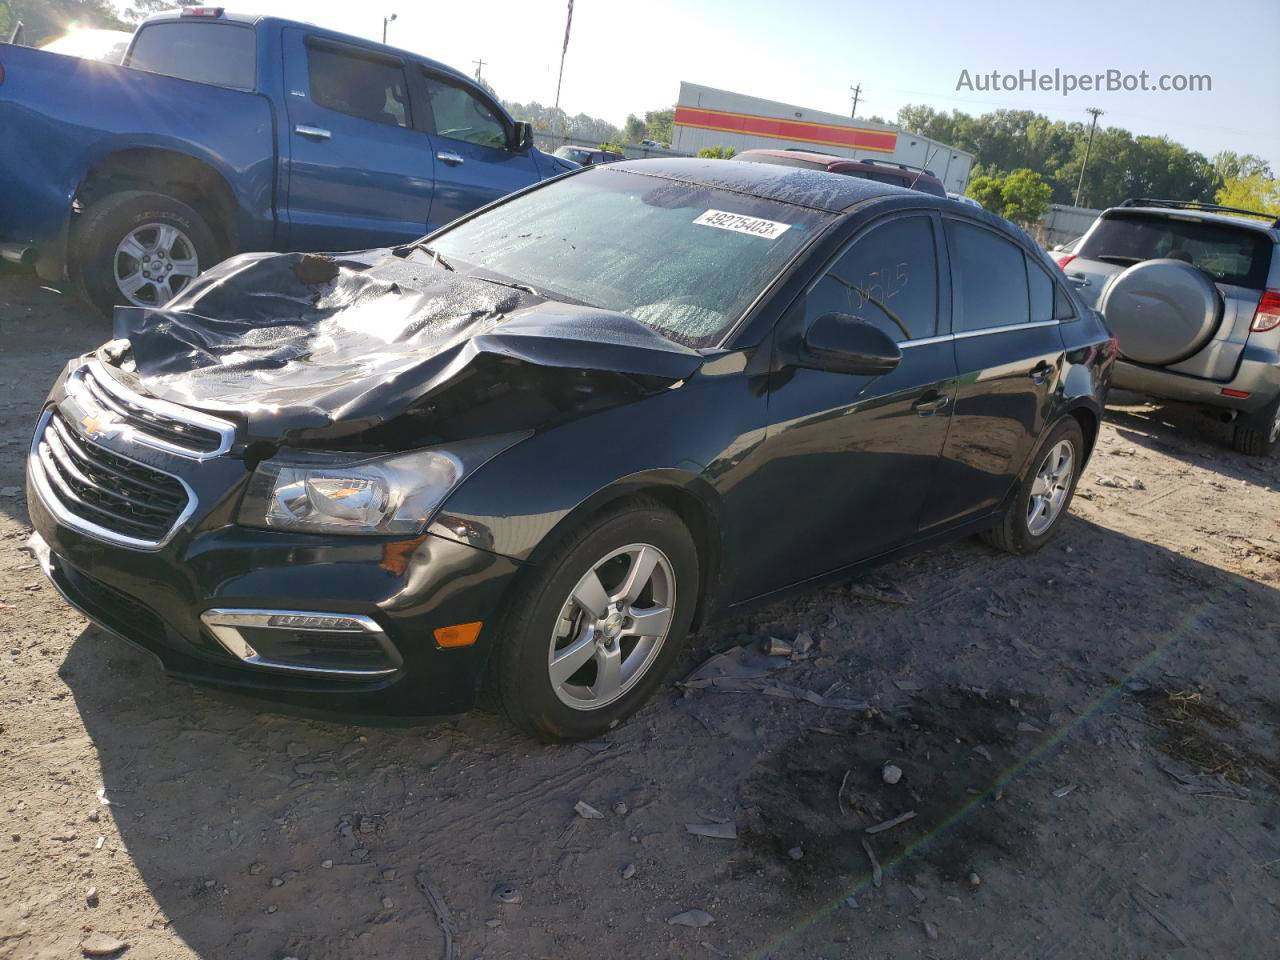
1235 255
222 54
460 115
366 87
988 279
1041 289
889 278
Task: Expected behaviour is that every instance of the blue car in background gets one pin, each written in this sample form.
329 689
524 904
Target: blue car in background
223 133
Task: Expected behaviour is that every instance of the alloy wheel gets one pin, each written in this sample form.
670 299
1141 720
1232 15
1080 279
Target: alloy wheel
1050 487
153 263
612 626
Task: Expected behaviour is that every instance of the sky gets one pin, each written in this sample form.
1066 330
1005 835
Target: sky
628 57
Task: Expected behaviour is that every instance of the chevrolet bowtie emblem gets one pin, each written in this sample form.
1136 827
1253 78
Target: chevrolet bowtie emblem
97 426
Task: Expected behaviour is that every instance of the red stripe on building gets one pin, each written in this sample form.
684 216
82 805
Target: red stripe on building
836 135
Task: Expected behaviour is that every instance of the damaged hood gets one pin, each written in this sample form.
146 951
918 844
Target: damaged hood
302 346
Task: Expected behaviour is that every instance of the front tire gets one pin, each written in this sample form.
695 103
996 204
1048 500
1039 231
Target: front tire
594 629
1256 434
1045 493
139 248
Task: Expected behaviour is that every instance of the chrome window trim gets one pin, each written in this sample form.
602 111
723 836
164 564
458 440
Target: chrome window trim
49 499
225 429
223 624
985 331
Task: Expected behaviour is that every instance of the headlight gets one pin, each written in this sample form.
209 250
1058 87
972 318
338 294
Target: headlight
394 495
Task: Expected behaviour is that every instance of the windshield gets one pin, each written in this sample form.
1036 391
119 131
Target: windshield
683 259
222 54
571 153
1232 255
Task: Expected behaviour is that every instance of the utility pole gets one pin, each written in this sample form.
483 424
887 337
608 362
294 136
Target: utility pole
857 92
385 21
479 64
1087 144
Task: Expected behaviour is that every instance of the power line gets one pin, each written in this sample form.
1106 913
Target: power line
857 92
1087 144
479 64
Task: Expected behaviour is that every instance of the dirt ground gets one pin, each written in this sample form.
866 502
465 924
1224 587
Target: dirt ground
1089 740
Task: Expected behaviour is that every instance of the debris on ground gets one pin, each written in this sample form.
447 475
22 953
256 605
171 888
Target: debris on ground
443 917
628 871
102 945
507 893
587 812
716 831
691 918
315 268
880 593
1120 483
890 773
890 824
773 647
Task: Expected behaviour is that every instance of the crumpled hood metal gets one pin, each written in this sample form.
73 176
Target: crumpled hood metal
300 346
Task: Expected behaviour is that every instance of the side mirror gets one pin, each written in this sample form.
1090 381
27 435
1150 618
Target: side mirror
522 136
842 343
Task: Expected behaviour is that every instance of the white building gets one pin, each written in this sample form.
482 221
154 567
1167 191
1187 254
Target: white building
707 117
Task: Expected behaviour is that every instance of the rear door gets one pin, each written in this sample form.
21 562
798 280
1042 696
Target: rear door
1236 258
471 139
358 173
1009 356
850 459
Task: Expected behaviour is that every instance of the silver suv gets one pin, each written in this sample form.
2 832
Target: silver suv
1192 294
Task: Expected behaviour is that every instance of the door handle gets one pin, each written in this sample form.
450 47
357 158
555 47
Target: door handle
930 404
1040 372
448 156
319 133
1079 279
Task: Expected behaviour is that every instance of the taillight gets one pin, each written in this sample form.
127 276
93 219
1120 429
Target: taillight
1267 316
202 11
1064 259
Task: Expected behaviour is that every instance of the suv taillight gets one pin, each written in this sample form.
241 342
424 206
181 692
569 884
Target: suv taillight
1064 259
1267 316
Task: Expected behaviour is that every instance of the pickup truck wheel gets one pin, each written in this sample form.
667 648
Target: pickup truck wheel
1256 434
597 623
1045 493
139 248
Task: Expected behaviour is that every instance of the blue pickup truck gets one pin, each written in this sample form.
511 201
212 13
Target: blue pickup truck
222 133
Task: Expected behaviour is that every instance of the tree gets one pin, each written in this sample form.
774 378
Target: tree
657 125
1257 191
633 130
717 152
48 19
1021 196
141 9
1229 165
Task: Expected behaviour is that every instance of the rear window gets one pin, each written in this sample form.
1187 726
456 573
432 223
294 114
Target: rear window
222 54
1228 254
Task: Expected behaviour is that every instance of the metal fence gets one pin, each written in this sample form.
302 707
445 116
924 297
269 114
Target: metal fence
1063 223
632 151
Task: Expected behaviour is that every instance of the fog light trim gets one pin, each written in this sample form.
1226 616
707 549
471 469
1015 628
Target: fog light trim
226 626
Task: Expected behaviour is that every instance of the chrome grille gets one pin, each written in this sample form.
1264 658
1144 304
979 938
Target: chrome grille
148 420
180 433
112 496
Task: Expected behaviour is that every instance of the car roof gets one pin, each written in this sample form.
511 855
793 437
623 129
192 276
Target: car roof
1208 216
802 186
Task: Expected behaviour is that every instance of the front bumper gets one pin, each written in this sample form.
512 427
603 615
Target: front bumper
1257 375
338 625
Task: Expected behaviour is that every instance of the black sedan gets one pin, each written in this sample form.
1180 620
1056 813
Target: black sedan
539 447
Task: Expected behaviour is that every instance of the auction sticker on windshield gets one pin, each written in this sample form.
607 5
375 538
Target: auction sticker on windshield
739 223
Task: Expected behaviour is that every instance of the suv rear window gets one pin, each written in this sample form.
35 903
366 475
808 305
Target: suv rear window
1229 254
222 54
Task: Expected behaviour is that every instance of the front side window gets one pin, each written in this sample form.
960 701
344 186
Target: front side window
988 279
684 259
222 54
365 87
889 278
460 115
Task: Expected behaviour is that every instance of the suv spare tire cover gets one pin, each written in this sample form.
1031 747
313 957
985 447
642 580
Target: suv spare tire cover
1162 311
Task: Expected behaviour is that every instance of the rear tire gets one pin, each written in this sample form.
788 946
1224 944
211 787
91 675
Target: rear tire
555 659
1256 434
174 232
1026 526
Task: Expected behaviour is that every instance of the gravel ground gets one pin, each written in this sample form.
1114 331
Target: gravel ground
1089 740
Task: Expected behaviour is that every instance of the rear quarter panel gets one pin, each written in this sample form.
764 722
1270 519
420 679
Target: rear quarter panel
61 115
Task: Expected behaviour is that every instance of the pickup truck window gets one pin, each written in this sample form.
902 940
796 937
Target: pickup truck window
222 54
364 87
460 115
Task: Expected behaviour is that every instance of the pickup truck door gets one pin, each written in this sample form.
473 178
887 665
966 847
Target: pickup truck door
471 140
357 172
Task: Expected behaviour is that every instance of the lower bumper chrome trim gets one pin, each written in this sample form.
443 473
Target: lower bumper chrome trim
227 625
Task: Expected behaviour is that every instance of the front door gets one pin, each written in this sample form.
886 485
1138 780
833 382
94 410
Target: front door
357 173
1009 356
472 143
849 460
